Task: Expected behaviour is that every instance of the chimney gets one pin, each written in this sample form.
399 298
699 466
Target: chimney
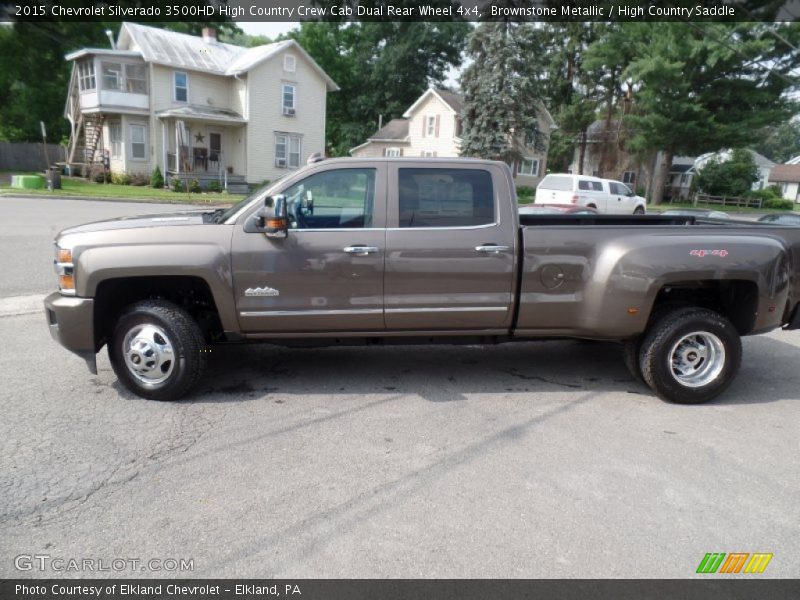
209 35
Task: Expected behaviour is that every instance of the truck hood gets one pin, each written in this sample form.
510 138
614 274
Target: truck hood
192 217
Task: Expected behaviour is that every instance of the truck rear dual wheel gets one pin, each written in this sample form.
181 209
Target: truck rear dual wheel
156 350
690 355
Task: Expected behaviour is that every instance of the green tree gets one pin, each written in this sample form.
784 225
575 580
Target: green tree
381 68
502 91
705 87
780 142
732 177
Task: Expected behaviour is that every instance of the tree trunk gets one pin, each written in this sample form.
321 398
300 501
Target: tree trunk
660 176
582 153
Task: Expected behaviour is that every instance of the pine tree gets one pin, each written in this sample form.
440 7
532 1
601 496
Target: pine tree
502 96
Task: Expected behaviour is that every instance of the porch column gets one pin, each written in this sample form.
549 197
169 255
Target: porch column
164 157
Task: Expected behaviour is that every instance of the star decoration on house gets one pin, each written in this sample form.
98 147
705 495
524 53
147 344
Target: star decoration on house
199 138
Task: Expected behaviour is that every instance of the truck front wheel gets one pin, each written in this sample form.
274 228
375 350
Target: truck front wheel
156 350
690 355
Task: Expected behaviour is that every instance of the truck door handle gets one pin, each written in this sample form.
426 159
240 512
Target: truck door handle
360 250
492 248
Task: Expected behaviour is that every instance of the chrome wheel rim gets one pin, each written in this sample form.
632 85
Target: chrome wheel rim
697 359
148 354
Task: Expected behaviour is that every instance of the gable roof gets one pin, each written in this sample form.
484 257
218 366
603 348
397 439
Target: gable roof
192 52
785 173
394 130
451 101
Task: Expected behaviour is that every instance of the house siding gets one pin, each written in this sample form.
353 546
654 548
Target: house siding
265 114
376 149
444 144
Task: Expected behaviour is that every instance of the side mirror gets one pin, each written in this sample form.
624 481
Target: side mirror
277 225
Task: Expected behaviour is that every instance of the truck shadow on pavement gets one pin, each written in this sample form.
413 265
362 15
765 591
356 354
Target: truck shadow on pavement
453 373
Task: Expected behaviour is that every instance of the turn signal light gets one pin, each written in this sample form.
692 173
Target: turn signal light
64 255
66 282
276 223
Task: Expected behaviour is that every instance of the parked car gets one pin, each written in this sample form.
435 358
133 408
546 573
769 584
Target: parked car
365 251
556 209
781 219
605 195
696 212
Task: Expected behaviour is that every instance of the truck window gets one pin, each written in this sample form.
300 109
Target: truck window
445 198
584 185
339 198
557 183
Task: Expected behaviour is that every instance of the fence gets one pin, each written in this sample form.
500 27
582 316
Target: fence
728 201
26 156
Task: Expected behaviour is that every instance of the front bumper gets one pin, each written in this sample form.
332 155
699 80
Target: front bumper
71 322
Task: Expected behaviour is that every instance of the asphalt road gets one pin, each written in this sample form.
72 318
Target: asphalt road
530 460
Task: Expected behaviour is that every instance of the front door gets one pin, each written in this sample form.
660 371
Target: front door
327 275
449 249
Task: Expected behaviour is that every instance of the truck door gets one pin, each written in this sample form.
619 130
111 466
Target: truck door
450 247
327 274
621 203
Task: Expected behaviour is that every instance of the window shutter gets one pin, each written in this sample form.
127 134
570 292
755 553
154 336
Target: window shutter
401 152
437 126
384 152
424 124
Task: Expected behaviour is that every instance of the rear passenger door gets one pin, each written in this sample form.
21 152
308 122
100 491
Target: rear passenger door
591 193
450 247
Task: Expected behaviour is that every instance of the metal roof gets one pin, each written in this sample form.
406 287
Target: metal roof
203 113
102 52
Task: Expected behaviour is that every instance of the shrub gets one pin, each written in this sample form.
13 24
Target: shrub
99 175
120 178
214 186
194 186
779 204
177 184
525 194
157 179
732 177
140 179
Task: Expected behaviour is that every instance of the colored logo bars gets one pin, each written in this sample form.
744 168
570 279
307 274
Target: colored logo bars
736 562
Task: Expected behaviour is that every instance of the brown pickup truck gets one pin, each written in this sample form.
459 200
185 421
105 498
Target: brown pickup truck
351 251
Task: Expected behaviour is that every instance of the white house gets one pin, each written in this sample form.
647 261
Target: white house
432 127
191 104
787 178
764 164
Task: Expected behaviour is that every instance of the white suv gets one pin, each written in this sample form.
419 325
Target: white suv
606 195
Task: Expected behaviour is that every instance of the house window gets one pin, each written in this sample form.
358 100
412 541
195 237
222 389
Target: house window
138 142
289 63
430 127
629 177
112 76
181 87
428 154
135 79
392 152
529 166
288 99
684 179
86 75
115 138
287 150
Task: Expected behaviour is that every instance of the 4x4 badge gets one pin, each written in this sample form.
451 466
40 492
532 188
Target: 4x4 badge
261 291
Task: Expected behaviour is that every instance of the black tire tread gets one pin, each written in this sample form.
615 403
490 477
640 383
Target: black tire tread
663 328
189 339
630 354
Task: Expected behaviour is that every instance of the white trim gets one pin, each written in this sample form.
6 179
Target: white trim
429 91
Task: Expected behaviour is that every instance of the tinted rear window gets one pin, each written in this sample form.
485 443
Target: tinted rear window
445 197
554 182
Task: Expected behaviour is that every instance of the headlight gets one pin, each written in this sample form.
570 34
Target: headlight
65 270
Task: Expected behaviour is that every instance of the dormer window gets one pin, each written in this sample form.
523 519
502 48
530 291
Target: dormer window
289 63
181 87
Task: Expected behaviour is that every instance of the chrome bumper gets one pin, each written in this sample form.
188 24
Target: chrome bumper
71 323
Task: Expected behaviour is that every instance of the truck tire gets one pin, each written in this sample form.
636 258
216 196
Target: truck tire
690 355
630 353
156 350
638 210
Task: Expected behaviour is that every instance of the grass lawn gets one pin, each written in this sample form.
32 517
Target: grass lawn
77 186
